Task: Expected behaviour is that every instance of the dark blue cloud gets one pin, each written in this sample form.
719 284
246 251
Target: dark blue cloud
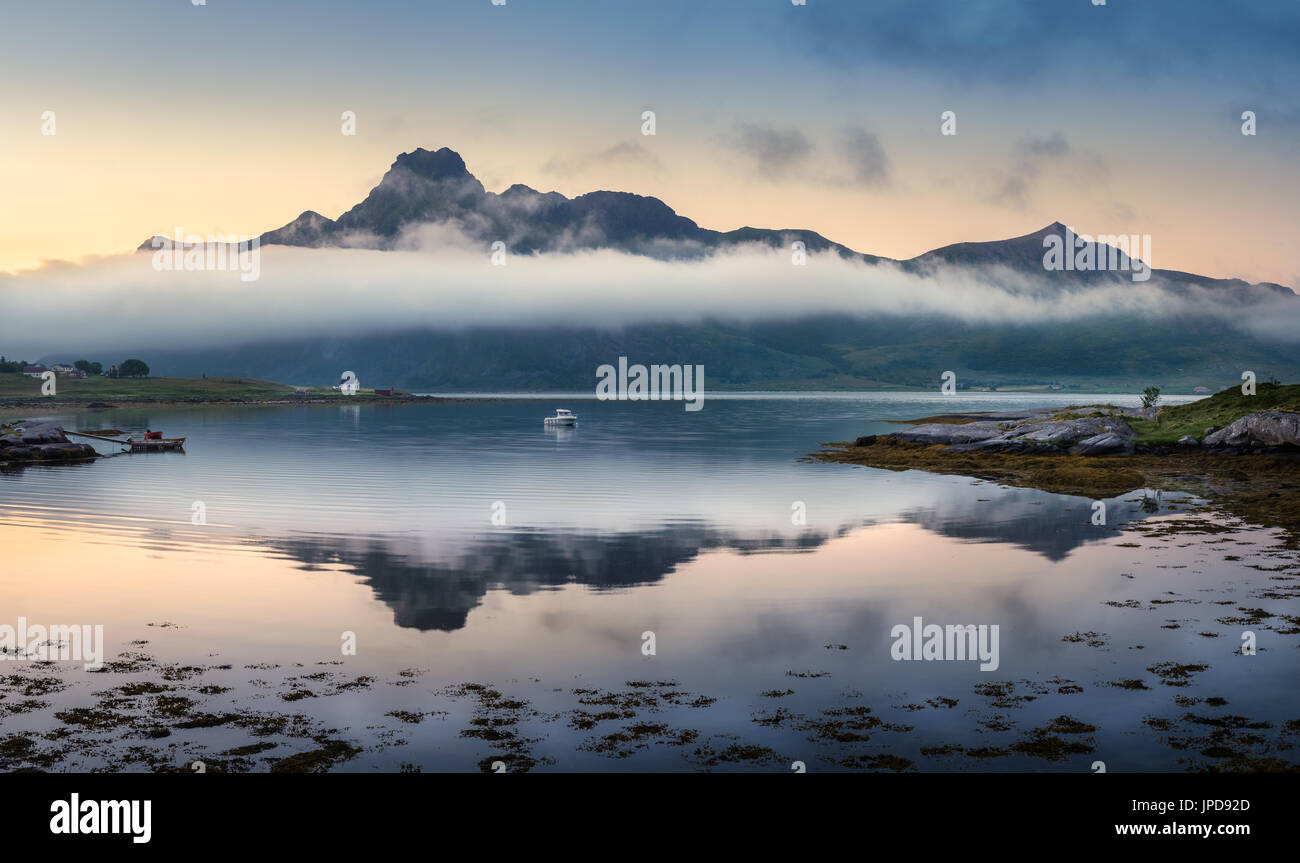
1064 43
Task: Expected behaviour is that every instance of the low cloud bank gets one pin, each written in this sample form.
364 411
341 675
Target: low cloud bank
432 280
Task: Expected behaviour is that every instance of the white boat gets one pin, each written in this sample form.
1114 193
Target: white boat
562 418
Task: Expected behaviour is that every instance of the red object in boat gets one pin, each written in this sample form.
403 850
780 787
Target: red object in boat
153 435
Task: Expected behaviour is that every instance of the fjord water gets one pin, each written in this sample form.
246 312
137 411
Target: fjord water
465 543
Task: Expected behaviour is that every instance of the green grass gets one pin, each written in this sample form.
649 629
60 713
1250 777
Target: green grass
1217 411
18 386
21 386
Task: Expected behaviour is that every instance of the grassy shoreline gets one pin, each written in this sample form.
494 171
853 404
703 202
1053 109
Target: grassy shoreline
20 389
20 395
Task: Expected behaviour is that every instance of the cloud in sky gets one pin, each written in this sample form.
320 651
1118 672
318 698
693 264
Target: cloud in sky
775 151
121 302
863 151
1250 43
624 154
1054 146
783 153
1036 158
1029 157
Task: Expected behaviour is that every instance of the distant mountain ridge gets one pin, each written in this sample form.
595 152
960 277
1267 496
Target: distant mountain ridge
1110 347
436 187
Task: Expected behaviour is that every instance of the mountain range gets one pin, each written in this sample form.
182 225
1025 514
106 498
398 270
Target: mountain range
435 187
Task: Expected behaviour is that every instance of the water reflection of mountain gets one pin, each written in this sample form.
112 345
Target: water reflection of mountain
440 594
438 590
1051 525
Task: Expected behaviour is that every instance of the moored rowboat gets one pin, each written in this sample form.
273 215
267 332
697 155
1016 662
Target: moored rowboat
156 444
149 444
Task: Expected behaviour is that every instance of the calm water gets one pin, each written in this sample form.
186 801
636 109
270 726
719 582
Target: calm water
466 543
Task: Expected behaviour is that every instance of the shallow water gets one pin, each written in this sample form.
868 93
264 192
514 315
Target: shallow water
466 543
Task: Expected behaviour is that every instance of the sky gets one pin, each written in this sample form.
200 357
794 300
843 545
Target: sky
1120 118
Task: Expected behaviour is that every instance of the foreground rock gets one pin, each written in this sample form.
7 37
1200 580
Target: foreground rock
1266 428
1034 433
1091 431
1106 443
947 433
40 442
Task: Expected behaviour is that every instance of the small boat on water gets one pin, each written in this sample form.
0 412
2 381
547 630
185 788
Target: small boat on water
153 441
156 444
562 418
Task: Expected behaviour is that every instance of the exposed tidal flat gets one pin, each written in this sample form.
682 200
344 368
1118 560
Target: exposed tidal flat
521 642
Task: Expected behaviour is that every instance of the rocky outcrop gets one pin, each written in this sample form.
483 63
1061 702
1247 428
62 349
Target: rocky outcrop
1104 434
950 433
40 442
1074 431
1106 443
1263 429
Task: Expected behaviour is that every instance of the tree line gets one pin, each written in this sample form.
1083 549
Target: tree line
129 368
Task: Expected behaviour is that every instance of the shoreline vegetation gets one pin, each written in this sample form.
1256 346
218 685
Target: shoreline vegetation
19 391
1222 449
